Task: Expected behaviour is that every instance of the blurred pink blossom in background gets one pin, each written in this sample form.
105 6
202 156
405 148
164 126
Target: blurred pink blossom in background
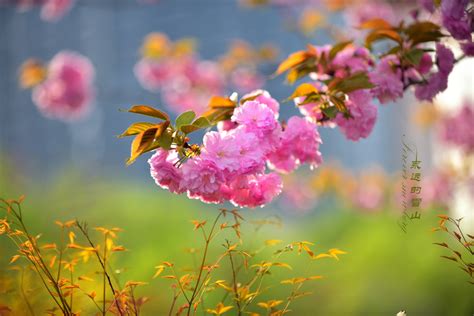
67 91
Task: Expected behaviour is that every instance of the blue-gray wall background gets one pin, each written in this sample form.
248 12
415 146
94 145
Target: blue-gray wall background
110 33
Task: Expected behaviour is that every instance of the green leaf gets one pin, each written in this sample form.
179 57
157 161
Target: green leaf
166 139
414 56
382 34
150 111
202 122
422 32
330 112
357 81
337 48
198 124
136 128
185 118
338 103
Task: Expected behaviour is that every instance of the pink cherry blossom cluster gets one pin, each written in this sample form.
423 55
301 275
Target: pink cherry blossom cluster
67 92
457 16
389 80
241 161
363 112
51 10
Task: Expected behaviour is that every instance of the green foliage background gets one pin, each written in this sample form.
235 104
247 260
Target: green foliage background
385 270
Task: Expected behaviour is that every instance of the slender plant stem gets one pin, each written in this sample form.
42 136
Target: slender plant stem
234 277
203 262
104 274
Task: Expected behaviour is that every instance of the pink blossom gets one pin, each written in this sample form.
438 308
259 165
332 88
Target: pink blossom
387 78
298 196
426 62
264 97
245 79
360 13
257 118
363 116
304 138
369 192
456 19
226 125
164 171
468 48
221 148
53 10
299 144
253 191
438 81
437 189
458 130
191 87
250 154
351 60
153 74
67 92
282 160
428 5
202 179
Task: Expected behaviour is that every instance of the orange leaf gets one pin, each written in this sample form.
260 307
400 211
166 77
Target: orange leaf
375 24
221 102
150 111
304 89
14 258
292 61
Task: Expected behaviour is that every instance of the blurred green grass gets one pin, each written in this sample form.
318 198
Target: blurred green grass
385 270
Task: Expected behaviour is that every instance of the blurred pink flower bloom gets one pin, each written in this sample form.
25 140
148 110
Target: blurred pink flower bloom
53 10
368 196
245 79
360 13
299 197
458 130
437 189
67 92
153 75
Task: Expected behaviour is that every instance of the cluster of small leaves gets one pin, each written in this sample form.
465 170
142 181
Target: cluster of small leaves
302 63
462 252
149 136
64 268
406 40
242 289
